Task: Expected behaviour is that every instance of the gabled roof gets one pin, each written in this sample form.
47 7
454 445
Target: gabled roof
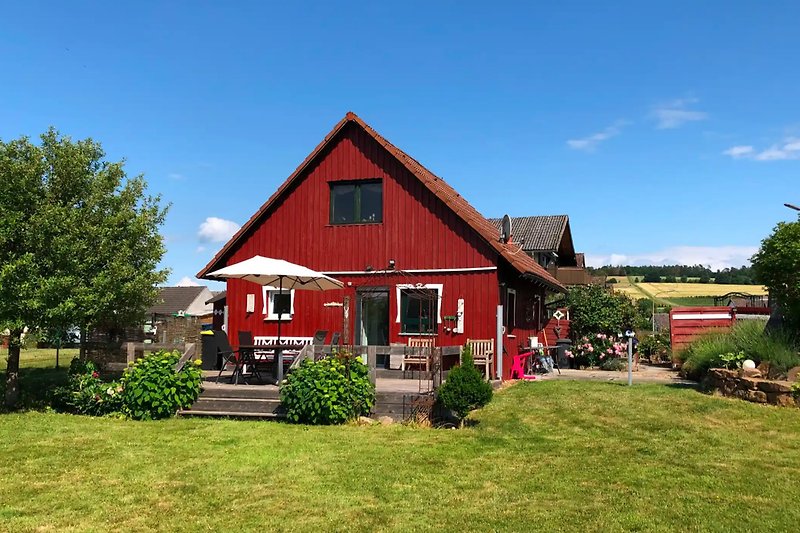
510 252
218 296
174 299
540 233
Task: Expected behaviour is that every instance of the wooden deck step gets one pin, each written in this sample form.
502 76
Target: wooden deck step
228 414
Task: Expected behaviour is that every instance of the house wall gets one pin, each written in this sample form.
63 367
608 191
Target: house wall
418 232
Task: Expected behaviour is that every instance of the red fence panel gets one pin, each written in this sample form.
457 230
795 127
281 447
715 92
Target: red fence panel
687 323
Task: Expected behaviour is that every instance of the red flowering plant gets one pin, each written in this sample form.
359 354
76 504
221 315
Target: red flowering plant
592 350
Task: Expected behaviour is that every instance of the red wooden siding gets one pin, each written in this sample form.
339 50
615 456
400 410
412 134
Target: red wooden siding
418 232
687 323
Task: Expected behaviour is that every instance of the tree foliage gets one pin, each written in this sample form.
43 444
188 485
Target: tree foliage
79 240
777 265
594 309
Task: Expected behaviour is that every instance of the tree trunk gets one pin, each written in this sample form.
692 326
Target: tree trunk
82 353
12 370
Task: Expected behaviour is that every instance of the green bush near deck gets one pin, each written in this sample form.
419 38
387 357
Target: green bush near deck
332 390
153 390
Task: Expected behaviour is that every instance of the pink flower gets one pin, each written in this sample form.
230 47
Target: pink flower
95 375
590 348
602 356
609 351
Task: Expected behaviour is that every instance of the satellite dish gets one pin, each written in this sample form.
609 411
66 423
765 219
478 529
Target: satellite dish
505 229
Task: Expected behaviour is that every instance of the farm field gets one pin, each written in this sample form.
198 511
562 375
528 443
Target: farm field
681 293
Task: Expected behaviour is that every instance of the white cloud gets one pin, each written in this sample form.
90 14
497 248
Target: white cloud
175 176
217 230
186 281
589 144
739 151
789 148
200 249
714 257
675 114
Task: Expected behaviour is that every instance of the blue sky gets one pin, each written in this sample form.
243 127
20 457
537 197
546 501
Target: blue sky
668 131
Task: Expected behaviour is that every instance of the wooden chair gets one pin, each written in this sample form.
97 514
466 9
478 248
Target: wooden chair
482 353
420 353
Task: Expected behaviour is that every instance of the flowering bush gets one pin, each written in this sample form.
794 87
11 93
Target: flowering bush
592 350
86 394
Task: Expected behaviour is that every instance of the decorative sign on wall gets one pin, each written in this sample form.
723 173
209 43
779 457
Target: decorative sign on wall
459 317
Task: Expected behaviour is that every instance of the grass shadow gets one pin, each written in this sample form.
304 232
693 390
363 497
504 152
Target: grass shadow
36 386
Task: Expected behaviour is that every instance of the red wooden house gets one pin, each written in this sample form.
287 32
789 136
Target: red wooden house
416 258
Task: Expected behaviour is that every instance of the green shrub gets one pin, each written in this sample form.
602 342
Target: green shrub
81 366
614 364
656 348
730 360
777 348
332 390
153 390
86 394
464 389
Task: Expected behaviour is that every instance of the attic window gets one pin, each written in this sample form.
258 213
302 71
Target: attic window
359 202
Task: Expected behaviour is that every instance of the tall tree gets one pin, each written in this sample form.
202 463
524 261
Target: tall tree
777 265
79 241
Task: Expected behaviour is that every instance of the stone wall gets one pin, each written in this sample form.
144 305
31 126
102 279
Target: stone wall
753 389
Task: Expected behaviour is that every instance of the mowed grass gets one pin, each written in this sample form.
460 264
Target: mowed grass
548 456
40 357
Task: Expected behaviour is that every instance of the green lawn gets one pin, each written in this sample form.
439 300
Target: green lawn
577 456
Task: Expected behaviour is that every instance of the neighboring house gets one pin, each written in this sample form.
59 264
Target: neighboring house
178 314
179 301
219 304
416 258
548 240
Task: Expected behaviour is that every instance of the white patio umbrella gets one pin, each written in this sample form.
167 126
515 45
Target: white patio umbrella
277 273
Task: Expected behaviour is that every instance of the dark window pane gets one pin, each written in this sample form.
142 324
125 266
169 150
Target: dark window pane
343 204
281 303
371 202
418 309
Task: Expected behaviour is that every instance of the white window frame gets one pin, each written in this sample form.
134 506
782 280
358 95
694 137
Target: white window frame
268 298
438 287
511 311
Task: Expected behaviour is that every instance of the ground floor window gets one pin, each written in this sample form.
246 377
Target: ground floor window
277 302
419 308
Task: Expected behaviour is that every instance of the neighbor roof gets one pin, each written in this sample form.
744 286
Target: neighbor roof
519 261
218 295
540 233
174 299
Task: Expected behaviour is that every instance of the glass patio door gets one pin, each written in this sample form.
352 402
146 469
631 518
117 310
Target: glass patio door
372 320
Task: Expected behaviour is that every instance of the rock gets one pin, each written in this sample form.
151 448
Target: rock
724 373
782 399
764 367
728 387
793 374
386 420
748 383
775 386
751 373
756 396
365 421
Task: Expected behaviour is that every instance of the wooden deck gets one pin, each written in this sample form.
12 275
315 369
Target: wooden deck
395 396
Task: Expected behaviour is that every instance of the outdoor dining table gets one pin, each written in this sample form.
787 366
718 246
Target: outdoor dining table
277 349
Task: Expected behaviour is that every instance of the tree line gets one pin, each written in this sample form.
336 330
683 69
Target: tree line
681 273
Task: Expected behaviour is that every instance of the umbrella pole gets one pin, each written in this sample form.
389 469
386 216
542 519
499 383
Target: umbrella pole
278 350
